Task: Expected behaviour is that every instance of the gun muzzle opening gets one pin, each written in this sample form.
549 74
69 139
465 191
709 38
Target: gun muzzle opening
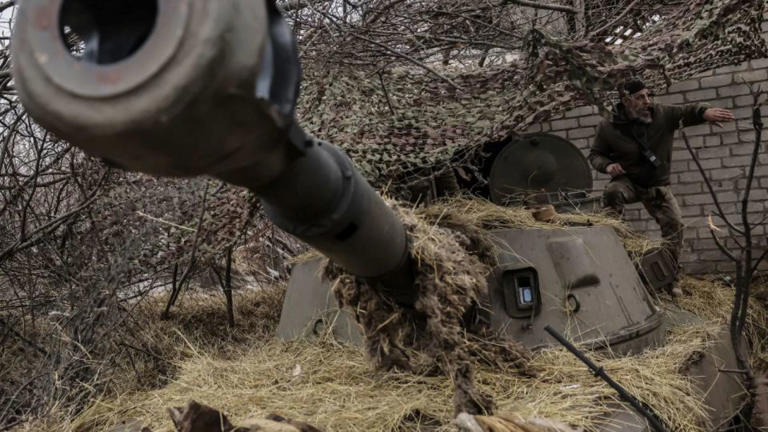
96 48
100 32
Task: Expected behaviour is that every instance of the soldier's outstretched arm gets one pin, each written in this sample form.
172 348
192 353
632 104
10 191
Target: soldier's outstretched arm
718 116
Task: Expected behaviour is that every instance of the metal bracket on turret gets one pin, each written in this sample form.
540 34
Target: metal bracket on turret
278 82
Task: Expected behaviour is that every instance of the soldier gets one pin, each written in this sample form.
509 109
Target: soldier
634 147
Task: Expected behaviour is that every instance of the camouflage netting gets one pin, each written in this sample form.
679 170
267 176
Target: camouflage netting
189 219
398 122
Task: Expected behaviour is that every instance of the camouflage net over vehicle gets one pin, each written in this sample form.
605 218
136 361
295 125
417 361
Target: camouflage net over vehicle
407 121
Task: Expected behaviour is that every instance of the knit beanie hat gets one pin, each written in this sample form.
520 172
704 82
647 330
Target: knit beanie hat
633 85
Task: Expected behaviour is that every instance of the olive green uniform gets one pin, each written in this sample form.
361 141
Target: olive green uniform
623 141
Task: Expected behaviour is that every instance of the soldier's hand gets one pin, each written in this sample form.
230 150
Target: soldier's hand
614 169
718 116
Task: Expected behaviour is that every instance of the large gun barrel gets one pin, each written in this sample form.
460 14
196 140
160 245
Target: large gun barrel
193 87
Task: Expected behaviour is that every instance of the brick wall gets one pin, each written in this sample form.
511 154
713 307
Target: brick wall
724 154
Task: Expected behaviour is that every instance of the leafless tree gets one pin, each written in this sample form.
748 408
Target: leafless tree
746 255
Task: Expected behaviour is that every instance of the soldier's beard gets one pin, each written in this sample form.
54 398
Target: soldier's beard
643 115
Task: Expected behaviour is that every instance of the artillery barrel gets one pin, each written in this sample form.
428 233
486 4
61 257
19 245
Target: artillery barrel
201 87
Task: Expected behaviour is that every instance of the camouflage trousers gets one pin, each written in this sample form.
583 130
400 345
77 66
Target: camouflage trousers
660 204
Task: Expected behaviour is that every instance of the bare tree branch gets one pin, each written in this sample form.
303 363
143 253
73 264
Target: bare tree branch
409 58
386 94
759 260
292 5
192 259
33 238
540 5
722 247
21 337
613 23
719 208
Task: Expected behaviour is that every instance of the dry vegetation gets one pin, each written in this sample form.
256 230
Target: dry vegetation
334 386
472 212
247 373
144 352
